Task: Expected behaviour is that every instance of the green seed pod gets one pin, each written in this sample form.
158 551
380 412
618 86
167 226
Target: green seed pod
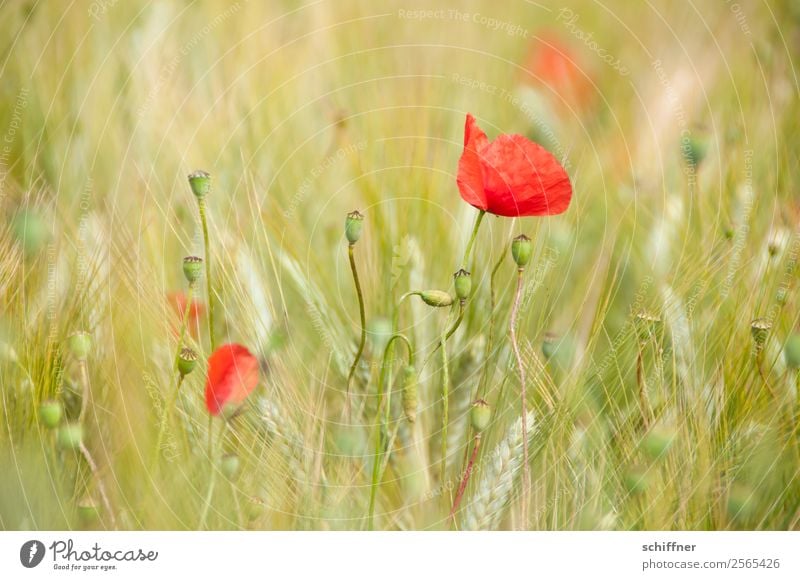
410 393
88 512
229 465
200 182
353 226
742 502
192 268
436 298
792 351
80 343
50 413
549 344
658 441
522 250
462 280
480 415
647 324
760 328
694 151
70 436
187 360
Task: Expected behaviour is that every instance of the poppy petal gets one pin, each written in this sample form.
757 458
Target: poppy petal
470 175
232 376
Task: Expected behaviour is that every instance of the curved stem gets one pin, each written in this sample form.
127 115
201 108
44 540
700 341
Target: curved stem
204 222
101 488
377 459
521 369
490 339
363 326
461 310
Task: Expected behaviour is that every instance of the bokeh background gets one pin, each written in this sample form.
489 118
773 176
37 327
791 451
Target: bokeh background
677 122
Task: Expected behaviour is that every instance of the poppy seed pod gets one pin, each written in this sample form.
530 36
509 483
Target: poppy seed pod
88 512
480 415
522 250
436 298
50 413
192 268
462 280
410 393
80 343
792 351
200 182
187 360
353 226
70 436
760 328
229 465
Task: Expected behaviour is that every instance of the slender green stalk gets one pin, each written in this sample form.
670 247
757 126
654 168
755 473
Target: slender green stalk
379 443
523 396
490 339
363 316
165 418
202 205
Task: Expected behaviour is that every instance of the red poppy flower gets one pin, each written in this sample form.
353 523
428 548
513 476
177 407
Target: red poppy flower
232 376
196 310
511 176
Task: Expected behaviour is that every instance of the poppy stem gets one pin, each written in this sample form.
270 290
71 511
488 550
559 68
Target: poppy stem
179 380
363 326
379 443
523 396
468 250
445 406
204 222
490 338
462 304
101 488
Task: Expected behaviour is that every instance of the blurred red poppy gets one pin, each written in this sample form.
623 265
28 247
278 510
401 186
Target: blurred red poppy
511 176
552 63
196 310
232 376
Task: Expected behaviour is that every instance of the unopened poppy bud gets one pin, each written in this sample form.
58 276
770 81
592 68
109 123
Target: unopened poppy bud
229 465
760 328
192 268
792 352
436 298
462 280
80 343
200 182
694 150
522 250
70 436
410 393
50 413
480 415
187 360
353 226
